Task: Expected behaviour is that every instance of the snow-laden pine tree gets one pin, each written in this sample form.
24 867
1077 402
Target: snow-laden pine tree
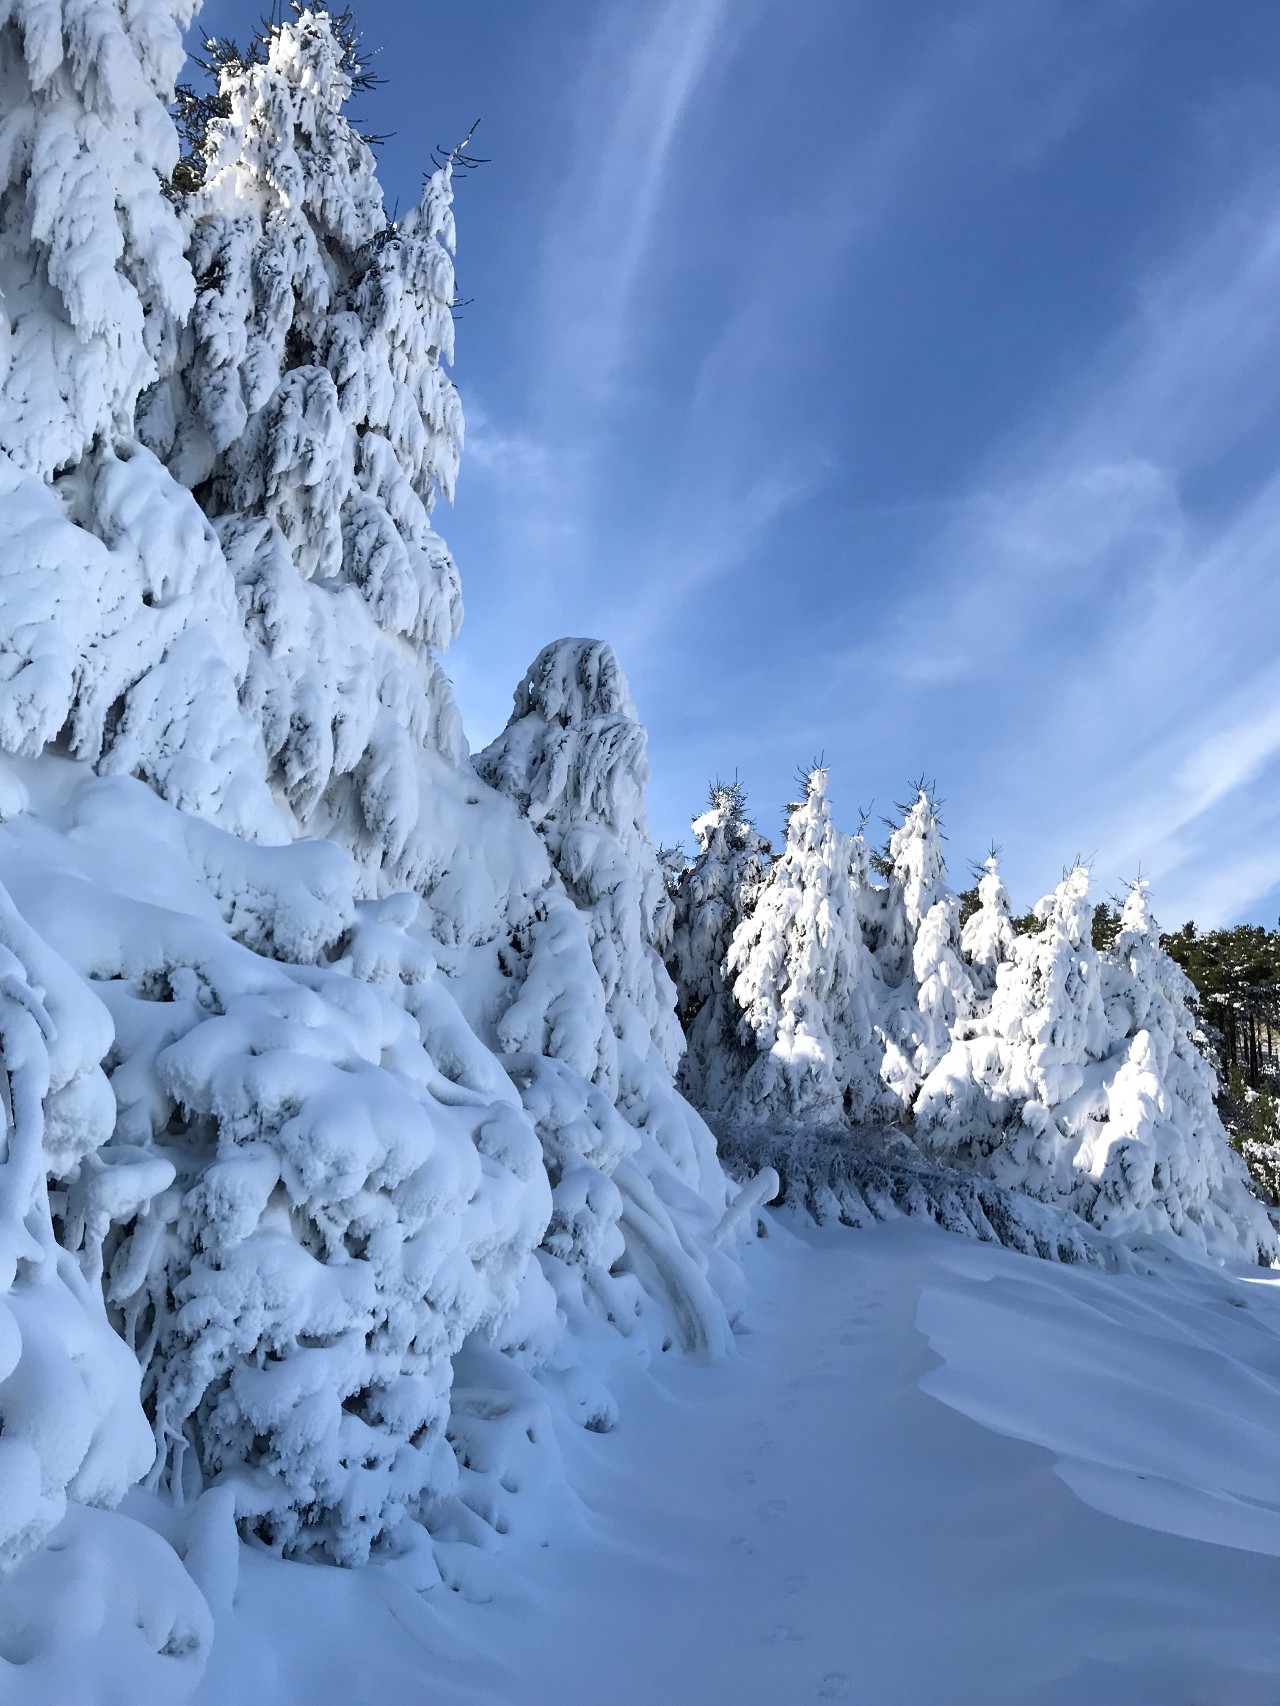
920 953
572 757
1004 1100
1154 1158
809 991
988 935
312 415
870 898
715 893
1083 1086
119 630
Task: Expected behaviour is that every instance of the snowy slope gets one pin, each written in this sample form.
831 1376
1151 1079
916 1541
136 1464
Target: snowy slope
933 1471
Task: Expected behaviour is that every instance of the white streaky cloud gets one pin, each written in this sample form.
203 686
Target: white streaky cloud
1233 756
1116 638
628 109
713 544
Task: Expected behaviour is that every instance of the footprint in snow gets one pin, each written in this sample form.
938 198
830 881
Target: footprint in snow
835 1685
744 1478
796 1584
775 1507
740 1543
785 1632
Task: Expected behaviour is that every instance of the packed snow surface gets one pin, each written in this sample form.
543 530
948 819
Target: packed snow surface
934 1471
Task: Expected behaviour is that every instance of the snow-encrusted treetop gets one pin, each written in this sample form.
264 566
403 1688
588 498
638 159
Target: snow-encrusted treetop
917 877
572 757
299 267
93 280
919 952
716 891
573 754
987 938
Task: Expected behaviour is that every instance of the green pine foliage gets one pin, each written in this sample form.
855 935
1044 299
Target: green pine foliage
1237 975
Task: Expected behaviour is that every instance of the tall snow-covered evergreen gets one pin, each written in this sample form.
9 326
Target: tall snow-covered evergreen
1156 1158
988 935
312 415
714 894
920 952
809 990
572 757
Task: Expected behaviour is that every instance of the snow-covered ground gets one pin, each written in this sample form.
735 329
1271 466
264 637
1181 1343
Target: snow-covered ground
934 1472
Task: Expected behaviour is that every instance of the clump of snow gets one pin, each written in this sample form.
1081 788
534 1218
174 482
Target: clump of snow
342 1184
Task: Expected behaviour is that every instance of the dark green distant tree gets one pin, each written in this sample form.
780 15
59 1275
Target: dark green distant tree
1237 975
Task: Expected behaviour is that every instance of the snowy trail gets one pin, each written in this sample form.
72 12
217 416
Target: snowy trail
805 1523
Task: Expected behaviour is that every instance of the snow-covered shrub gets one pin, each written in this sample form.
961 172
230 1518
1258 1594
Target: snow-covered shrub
712 896
807 986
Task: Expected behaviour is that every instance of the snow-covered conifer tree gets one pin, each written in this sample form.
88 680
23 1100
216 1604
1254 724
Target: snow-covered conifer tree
871 898
1154 1157
572 757
1003 1100
920 953
808 988
987 937
1083 1086
715 893
313 417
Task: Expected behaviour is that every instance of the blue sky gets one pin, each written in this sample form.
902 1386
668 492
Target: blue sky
894 382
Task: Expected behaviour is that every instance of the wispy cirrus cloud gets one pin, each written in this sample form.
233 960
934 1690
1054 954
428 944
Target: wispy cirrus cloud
1112 625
